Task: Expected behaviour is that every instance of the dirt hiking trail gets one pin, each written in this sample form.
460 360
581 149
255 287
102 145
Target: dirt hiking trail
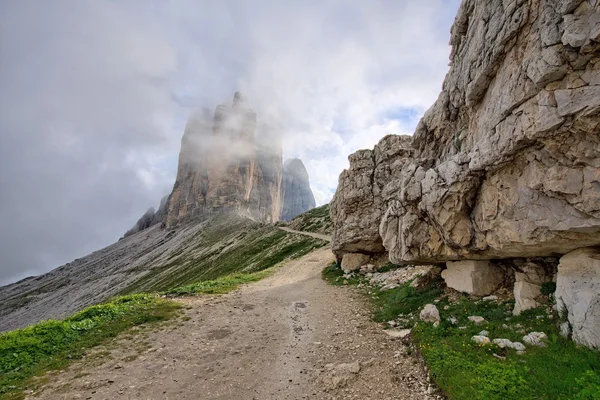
289 336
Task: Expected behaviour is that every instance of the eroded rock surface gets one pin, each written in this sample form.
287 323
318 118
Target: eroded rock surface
578 295
473 277
222 168
528 283
358 204
506 163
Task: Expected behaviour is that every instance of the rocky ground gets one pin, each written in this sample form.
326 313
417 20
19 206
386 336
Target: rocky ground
290 336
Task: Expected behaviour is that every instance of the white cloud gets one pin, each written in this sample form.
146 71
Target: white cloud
95 96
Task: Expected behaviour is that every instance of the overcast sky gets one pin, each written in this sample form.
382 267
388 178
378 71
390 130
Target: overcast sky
94 95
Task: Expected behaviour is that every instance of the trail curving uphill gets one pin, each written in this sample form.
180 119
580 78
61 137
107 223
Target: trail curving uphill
311 234
289 336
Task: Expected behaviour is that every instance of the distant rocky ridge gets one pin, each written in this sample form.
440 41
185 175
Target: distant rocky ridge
505 164
225 167
150 218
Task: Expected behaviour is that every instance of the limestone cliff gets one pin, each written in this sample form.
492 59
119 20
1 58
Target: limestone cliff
221 169
358 204
504 165
297 195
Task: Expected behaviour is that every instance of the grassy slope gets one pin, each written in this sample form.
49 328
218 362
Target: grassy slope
316 220
53 344
228 245
221 285
230 251
467 371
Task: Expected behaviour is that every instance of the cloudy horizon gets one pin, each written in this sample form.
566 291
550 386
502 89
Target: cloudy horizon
96 94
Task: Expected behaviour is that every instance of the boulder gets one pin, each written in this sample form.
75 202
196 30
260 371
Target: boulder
478 278
357 206
353 261
481 340
578 295
535 339
528 283
430 313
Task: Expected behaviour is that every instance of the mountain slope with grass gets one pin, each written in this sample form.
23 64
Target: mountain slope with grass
316 220
152 260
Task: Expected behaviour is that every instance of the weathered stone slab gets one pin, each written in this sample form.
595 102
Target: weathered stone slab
473 277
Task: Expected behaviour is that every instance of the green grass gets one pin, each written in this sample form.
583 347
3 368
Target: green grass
53 344
403 300
227 246
221 285
334 275
466 371
315 220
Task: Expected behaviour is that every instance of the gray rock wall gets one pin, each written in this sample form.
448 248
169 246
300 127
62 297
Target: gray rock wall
506 163
296 192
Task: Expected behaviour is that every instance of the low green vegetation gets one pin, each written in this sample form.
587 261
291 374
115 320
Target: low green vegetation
229 251
52 344
228 245
316 220
465 370
219 286
334 275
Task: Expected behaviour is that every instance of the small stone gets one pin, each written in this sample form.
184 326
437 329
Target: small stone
397 333
430 313
477 320
353 368
484 333
479 339
535 339
502 343
453 320
490 298
518 346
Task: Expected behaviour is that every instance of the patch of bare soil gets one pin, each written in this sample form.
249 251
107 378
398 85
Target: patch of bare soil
290 336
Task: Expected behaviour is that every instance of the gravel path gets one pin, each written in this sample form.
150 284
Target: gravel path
290 336
311 234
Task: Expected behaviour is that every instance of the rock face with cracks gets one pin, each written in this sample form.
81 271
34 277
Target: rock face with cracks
578 295
225 167
358 203
222 168
506 163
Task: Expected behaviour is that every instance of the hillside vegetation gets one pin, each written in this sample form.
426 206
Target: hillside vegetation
227 245
466 370
153 260
316 220
53 344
